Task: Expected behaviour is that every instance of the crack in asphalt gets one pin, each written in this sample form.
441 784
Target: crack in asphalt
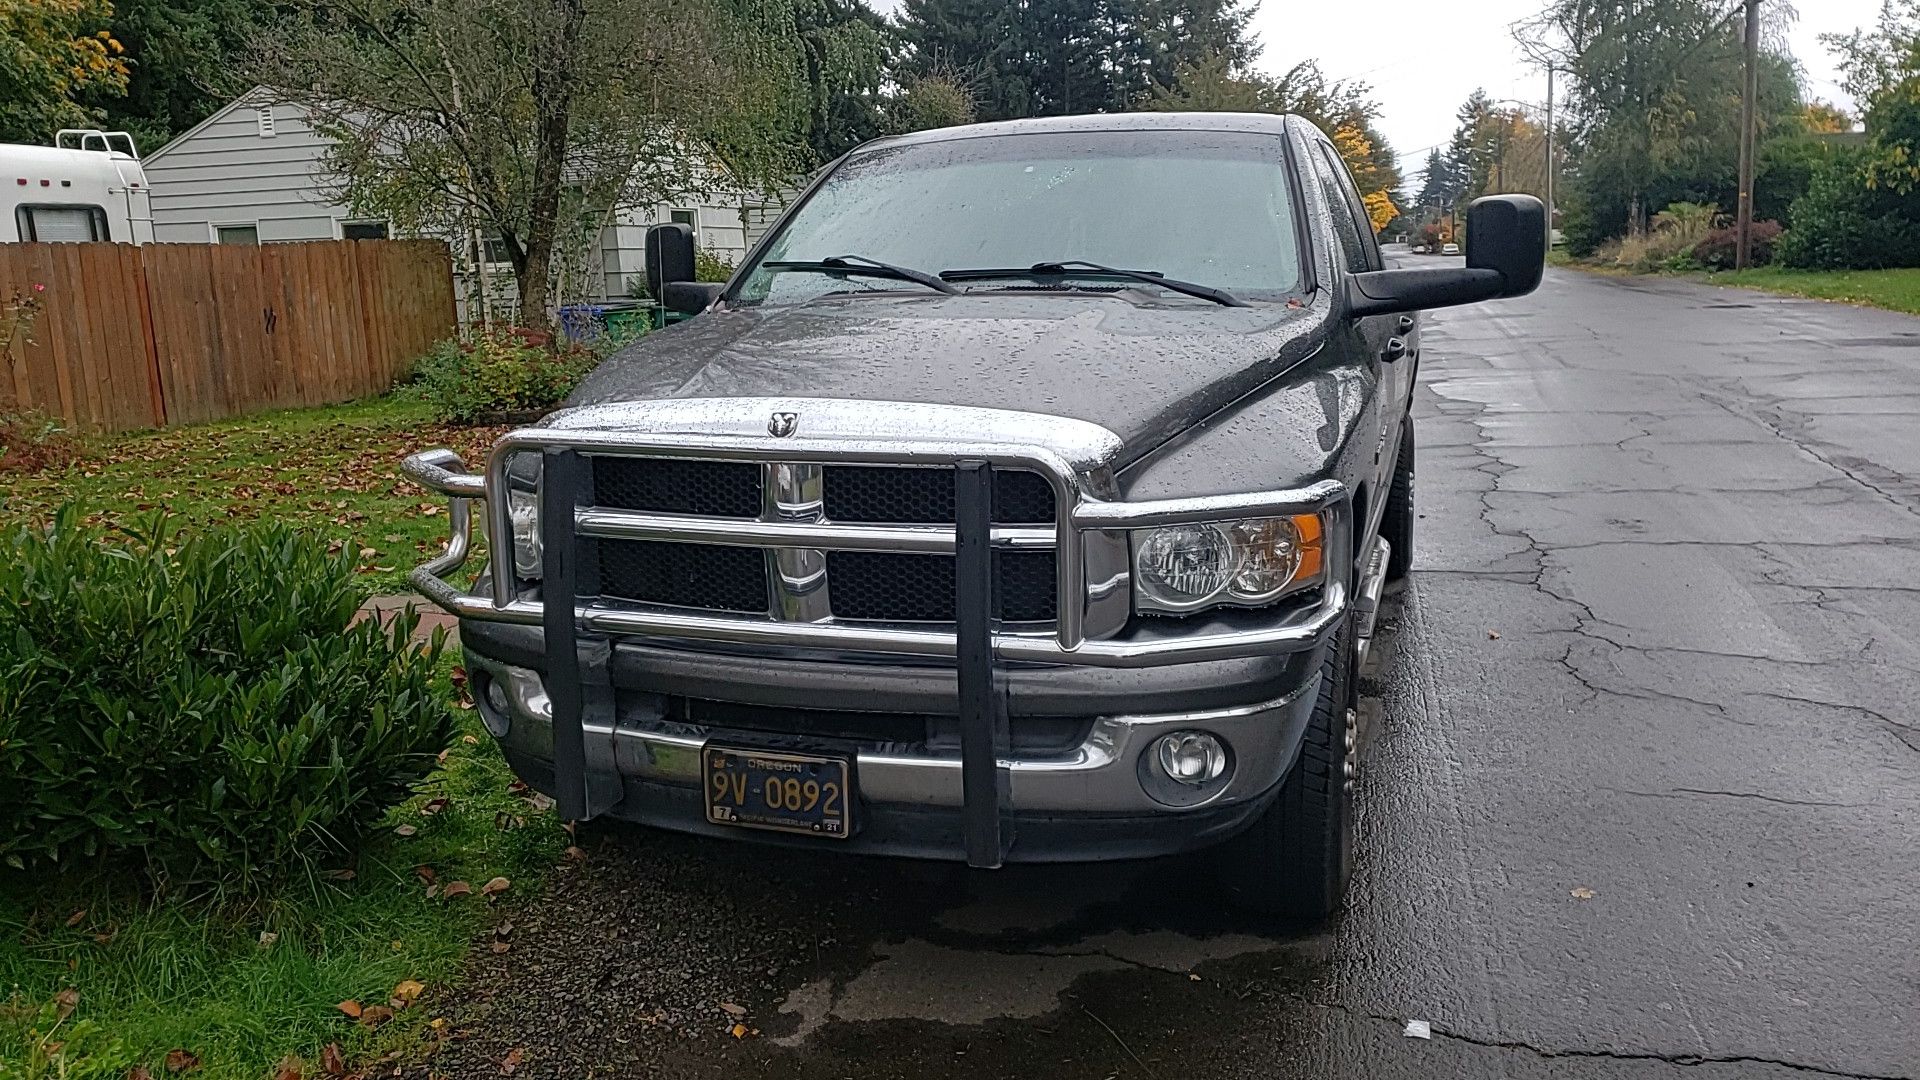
1682 792
1679 1059
1851 468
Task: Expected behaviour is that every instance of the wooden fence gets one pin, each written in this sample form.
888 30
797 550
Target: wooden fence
139 337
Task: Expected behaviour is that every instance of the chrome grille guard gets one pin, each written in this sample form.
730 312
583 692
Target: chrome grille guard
1073 456
1089 539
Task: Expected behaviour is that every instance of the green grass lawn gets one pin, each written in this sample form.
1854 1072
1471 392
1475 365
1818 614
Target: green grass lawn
1895 290
334 470
242 990
98 978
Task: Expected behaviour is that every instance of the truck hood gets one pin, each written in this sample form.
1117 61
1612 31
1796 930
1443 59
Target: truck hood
1144 368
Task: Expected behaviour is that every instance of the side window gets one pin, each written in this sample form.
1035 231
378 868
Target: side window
1348 214
1345 227
61 224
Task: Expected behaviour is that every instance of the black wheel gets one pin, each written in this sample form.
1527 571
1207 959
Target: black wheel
1294 860
1396 527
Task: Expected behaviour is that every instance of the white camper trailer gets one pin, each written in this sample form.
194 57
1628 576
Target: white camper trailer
87 186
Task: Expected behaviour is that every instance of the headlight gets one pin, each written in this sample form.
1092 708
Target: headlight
523 509
1248 563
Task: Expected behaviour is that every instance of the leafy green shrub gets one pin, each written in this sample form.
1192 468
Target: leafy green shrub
1841 224
203 703
710 265
1719 251
501 372
31 441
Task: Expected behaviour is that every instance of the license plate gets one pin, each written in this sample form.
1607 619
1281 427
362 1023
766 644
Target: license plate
765 789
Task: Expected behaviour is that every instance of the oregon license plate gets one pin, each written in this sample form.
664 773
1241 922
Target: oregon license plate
767 789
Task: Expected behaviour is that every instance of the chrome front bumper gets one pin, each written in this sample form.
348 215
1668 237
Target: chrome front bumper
1098 778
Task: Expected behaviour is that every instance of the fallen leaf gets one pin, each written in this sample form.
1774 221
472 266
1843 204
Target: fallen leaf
350 1007
408 990
470 740
179 1061
1581 892
495 887
576 854
375 1015
405 830
501 946
288 1069
104 939
345 873
456 888
512 1060
76 918
65 1002
438 1023
332 1061
733 1010
424 873
267 938
434 806
738 1031
505 929
541 802
139 1072
441 757
433 891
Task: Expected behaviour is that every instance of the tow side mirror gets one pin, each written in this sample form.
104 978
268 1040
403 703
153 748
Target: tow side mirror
690 297
669 257
1506 257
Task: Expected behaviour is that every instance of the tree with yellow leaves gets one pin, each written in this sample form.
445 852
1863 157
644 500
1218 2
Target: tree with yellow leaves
52 54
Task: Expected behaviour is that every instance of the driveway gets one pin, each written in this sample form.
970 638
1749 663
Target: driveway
1642 794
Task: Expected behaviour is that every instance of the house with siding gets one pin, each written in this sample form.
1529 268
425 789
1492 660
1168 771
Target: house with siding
255 172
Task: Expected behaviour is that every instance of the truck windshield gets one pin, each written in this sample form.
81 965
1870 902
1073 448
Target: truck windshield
1208 207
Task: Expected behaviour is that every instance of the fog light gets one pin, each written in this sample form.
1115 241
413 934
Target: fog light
1186 768
1191 757
497 717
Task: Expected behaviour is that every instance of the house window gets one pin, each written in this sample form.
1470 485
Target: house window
61 224
236 234
689 218
265 115
363 230
492 250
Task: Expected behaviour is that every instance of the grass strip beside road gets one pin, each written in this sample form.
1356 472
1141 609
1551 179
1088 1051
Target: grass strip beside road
1894 290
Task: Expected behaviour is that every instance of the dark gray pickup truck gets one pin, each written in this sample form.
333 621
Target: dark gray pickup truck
1027 495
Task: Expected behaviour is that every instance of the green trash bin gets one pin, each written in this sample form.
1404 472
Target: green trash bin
626 324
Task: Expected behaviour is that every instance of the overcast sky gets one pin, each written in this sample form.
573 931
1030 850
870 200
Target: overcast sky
1465 45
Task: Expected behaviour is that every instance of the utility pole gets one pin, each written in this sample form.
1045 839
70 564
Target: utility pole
1549 154
1749 122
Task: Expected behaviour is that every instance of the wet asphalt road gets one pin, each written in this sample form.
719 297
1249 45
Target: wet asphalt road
1641 798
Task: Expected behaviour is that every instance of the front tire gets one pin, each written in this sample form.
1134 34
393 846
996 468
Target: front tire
1396 525
1295 859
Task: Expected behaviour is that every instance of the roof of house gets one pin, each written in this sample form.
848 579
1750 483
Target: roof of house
250 99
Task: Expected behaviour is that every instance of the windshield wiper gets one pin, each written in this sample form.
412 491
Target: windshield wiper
860 265
1082 268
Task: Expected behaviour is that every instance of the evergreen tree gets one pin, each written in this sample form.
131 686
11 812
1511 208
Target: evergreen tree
1061 57
184 54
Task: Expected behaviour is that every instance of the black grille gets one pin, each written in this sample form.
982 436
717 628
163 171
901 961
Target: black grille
879 493
685 575
919 588
672 486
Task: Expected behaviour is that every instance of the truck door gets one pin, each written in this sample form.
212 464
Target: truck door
1375 335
